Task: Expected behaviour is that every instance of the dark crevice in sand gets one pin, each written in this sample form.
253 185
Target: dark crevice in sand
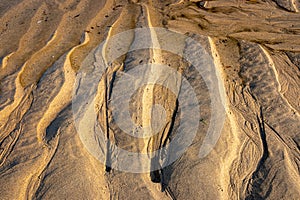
260 172
53 129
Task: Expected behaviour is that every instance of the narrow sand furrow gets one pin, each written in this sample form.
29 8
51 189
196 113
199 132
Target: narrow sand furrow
287 66
62 99
272 65
259 75
265 88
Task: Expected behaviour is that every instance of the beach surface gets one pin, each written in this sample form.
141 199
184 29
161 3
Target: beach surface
150 99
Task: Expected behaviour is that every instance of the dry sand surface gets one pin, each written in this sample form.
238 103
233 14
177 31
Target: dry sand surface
254 46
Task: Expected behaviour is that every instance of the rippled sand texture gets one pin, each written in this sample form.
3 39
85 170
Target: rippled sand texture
255 46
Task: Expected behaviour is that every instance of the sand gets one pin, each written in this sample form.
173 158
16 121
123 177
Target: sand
51 52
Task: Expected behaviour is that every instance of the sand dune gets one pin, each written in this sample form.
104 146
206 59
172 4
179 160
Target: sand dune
114 144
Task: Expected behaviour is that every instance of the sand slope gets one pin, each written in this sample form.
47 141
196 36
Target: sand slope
255 48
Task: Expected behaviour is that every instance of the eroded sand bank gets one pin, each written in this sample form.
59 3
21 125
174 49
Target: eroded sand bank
254 46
